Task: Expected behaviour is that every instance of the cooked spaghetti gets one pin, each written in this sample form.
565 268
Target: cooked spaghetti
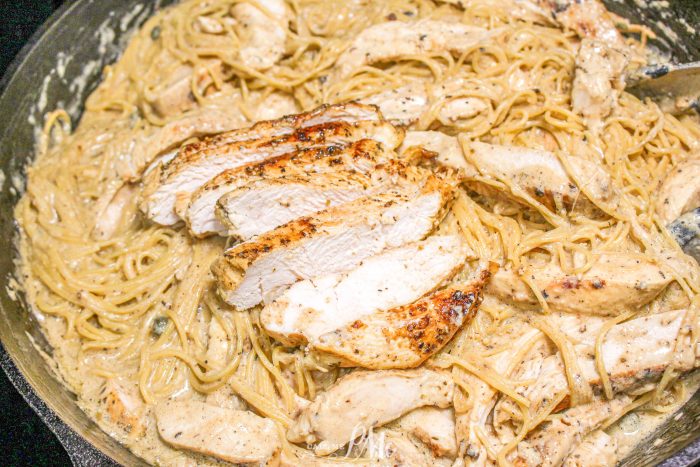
130 307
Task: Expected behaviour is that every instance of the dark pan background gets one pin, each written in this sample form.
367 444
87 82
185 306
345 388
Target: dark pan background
24 438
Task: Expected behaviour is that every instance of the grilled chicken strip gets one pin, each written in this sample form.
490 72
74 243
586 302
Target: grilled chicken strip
139 152
680 191
398 448
388 41
447 149
263 33
367 399
435 427
553 442
287 198
350 112
174 183
598 82
615 283
123 406
361 156
310 309
407 104
540 176
635 355
331 241
236 436
598 449
404 336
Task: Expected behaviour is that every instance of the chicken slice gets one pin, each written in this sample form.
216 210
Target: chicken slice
635 355
350 112
263 33
435 427
174 96
317 310
332 241
680 191
285 199
121 206
396 448
402 105
403 336
598 82
145 148
367 399
174 183
391 40
588 18
361 156
447 149
598 449
293 196
124 406
542 177
236 436
550 444
407 104
616 282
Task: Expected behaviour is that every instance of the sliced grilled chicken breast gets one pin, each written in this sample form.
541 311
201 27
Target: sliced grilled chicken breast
237 436
635 354
367 399
140 152
361 156
588 18
541 176
123 406
408 103
349 112
292 196
616 282
331 241
262 205
550 444
387 41
403 336
435 427
174 183
263 33
447 149
598 82
399 276
680 191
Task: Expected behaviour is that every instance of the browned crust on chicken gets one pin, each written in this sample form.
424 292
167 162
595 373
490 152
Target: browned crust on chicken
264 128
229 269
409 334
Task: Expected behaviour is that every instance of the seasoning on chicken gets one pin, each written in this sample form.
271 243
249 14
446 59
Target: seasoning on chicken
435 427
447 149
598 449
598 82
361 156
367 399
403 336
263 32
331 241
237 436
387 41
399 276
540 176
550 444
616 282
174 183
